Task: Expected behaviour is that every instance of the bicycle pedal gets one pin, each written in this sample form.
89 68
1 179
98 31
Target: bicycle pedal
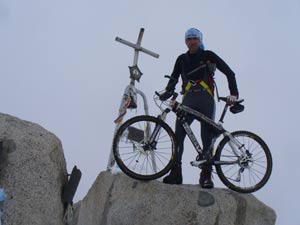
198 163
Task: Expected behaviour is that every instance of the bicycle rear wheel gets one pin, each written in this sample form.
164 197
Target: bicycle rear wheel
140 157
250 169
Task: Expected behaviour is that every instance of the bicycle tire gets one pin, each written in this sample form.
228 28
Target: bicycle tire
134 133
251 168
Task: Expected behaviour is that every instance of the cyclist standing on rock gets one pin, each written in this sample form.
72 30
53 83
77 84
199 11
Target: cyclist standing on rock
197 67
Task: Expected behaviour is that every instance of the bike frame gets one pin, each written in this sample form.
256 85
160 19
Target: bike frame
218 128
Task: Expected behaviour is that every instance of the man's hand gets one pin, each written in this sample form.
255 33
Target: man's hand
164 96
231 99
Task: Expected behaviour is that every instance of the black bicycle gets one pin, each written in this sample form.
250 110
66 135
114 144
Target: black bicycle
144 148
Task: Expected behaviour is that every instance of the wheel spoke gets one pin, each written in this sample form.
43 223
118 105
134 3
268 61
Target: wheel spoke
133 157
137 161
161 155
259 165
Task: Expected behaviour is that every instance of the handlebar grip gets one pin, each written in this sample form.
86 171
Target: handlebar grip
171 78
223 99
174 95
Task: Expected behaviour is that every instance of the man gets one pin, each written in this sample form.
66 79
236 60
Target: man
196 68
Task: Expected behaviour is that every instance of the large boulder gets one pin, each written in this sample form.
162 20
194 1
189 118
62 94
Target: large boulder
32 172
120 200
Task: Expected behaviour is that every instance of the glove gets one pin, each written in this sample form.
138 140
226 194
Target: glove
164 96
231 99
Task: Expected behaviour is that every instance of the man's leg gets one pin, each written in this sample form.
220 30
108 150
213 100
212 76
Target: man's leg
206 173
175 176
207 136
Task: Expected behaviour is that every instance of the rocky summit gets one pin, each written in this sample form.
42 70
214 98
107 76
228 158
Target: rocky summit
116 199
33 175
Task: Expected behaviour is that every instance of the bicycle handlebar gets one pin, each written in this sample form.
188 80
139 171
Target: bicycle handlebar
235 107
174 95
224 99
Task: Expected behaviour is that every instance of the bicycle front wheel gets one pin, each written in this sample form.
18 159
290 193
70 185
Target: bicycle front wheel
249 168
144 148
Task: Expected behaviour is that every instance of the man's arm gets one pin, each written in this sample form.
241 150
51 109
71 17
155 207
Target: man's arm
175 75
224 68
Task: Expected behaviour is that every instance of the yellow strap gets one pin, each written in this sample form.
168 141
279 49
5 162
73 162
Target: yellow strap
188 86
206 87
203 84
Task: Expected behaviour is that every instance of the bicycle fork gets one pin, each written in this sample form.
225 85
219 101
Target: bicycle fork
151 139
236 146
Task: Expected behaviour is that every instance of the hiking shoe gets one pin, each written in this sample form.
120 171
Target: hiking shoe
175 176
205 178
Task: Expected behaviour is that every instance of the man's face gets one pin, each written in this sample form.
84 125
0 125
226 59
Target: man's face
193 44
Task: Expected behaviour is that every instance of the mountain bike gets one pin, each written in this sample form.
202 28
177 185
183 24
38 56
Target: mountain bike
145 147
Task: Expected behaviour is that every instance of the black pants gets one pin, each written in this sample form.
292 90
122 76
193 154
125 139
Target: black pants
204 103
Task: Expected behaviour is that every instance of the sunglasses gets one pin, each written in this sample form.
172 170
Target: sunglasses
192 38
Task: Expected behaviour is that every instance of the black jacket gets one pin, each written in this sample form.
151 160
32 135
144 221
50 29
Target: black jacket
187 62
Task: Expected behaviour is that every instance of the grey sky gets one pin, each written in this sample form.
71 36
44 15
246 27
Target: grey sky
60 67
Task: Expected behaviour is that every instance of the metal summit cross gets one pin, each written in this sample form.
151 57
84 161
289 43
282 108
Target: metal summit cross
129 99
